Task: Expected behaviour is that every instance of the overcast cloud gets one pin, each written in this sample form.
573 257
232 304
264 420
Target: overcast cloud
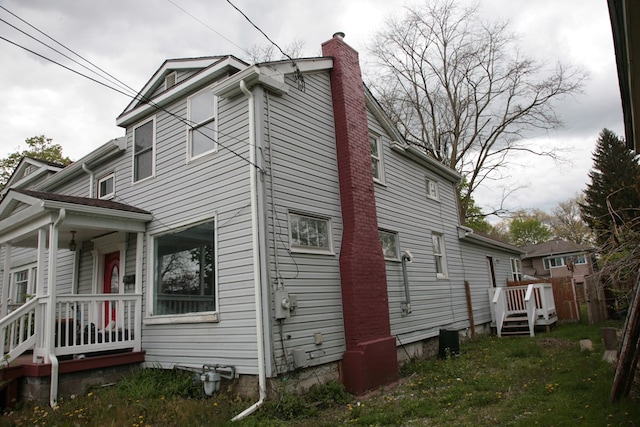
130 40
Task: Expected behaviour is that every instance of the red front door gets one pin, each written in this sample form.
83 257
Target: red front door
111 284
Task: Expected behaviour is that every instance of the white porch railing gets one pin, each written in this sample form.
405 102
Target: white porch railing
99 322
18 330
534 302
84 324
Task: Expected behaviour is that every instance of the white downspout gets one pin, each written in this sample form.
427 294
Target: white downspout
51 324
91 176
262 377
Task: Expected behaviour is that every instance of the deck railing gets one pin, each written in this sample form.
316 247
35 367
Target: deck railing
533 301
97 322
83 324
18 330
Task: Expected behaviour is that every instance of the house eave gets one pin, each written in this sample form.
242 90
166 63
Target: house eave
252 76
430 163
100 155
467 234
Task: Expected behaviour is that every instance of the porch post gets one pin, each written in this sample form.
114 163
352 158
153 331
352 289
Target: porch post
137 326
5 280
40 351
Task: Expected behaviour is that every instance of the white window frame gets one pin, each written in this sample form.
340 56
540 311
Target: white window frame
439 254
210 121
30 287
153 150
548 261
310 249
581 259
516 269
396 255
111 176
377 159
199 317
433 190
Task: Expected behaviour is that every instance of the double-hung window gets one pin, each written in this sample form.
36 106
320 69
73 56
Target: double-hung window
516 270
185 276
144 150
389 241
432 189
203 127
309 233
439 255
22 285
376 157
106 187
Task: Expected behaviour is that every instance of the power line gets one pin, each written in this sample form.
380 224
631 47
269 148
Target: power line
65 47
140 98
209 27
298 74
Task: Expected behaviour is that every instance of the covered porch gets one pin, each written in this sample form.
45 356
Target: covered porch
517 310
72 270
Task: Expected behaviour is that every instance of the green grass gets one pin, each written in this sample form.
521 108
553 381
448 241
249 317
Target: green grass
545 380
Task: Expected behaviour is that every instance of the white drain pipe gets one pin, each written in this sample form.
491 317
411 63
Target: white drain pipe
50 340
262 376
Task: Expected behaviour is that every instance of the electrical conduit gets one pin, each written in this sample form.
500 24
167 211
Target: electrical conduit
262 377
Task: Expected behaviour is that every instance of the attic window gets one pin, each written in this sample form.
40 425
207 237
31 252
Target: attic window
28 170
170 80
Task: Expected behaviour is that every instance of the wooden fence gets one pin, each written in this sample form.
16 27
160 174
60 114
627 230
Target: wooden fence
564 295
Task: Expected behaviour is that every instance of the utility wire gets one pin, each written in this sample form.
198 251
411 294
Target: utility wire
65 67
298 73
140 98
65 47
209 27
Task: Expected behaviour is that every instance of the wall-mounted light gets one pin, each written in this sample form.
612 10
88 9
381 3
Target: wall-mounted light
72 244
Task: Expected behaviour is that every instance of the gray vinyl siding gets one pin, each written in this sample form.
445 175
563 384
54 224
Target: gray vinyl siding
181 192
304 165
215 184
403 207
477 274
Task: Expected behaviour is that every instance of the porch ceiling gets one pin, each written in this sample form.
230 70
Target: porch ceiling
23 212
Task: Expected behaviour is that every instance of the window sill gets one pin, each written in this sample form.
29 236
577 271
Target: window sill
311 251
181 318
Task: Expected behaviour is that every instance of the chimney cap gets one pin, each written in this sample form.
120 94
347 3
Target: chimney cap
338 35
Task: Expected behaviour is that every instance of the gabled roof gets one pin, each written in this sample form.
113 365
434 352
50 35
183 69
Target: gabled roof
82 201
24 212
207 69
29 170
554 247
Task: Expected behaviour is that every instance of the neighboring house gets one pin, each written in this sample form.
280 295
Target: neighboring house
258 218
558 258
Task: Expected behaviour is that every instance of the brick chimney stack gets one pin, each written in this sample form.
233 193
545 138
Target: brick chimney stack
370 360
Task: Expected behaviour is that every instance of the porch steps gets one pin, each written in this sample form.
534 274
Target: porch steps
515 325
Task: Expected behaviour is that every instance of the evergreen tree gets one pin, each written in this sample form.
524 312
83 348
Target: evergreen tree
612 199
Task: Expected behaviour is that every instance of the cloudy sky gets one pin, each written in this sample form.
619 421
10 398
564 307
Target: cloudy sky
131 39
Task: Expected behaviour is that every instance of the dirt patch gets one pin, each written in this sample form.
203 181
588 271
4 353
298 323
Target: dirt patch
551 343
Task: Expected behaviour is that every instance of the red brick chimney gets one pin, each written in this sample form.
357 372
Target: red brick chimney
370 360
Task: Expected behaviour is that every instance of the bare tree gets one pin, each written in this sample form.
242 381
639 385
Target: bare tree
567 224
267 53
461 90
